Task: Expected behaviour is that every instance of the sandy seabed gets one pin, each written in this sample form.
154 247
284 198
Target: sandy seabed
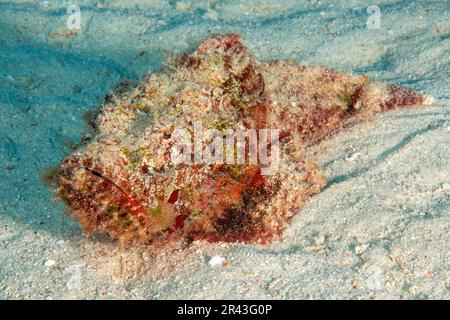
380 229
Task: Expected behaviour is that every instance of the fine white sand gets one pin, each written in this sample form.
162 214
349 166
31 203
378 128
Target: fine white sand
379 230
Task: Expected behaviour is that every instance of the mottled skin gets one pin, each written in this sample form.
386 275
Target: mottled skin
123 182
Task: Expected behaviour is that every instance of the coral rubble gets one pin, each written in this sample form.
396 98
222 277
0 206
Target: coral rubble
125 182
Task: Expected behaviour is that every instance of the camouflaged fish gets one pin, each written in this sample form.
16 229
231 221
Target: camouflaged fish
125 182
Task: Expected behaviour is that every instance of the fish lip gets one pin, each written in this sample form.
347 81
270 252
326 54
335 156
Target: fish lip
68 169
100 175
89 203
73 164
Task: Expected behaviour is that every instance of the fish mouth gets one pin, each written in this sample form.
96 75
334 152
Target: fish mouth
94 198
105 178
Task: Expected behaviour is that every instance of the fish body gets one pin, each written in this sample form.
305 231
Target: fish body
146 176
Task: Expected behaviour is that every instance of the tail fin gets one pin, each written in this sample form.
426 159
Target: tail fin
379 97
